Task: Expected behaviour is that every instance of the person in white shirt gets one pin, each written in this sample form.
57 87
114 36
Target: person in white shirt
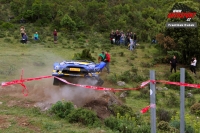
193 65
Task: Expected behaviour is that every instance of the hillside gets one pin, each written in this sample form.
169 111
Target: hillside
147 18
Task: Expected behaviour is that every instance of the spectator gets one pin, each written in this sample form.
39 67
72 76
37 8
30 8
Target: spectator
131 44
36 36
134 39
107 60
22 30
101 57
122 39
153 41
112 36
173 63
24 38
55 34
193 65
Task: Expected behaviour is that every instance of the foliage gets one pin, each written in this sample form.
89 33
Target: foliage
172 100
195 109
62 109
84 116
175 77
67 22
121 109
85 55
112 122
163 115
7 25
192 124
163 125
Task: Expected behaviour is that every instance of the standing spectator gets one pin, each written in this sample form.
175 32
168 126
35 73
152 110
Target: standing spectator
173 63
36 36
22 30
134 39
112 36
24 38
193 65
122 39
107 60
131 44
55 34
101 57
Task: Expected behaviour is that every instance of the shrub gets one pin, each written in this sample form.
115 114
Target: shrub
172 100
175 77
125 76
195 109
122 110
173 130
143 129
85 55
2 35
112 78
134 70
163 115
62 109
176 124
144 93
8 40
146 64
122 125
84 116
7 25
191 101
163 125
112 123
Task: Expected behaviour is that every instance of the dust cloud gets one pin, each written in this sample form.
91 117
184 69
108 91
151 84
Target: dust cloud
43 91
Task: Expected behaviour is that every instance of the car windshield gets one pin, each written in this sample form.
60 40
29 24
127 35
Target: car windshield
62 63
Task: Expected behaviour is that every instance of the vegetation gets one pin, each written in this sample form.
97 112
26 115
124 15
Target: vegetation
83 31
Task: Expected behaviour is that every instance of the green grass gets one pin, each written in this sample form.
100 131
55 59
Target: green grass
36 59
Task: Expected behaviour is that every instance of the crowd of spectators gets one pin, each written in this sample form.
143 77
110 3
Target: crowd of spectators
120 38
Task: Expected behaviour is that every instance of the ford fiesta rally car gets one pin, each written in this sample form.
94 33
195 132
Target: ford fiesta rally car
82 72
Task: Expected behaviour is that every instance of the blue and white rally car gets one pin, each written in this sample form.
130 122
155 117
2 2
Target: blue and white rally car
82 71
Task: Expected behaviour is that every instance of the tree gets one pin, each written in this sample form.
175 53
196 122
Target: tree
67 22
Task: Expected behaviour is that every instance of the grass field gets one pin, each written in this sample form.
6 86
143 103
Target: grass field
17 113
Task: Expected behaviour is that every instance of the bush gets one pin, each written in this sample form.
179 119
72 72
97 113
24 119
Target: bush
2 35
163 125
125 76
85 55
191 101
163 115
175 77
143 129
176 124
7 25
8 40
195 109
62 109
84 116
122 110
112 123
172 100
112 78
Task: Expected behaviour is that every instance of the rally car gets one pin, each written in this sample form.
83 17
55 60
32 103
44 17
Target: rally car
78 71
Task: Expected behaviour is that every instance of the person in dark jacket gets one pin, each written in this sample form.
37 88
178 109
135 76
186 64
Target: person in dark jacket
173 63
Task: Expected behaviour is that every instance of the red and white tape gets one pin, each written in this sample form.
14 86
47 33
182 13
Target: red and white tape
143 84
